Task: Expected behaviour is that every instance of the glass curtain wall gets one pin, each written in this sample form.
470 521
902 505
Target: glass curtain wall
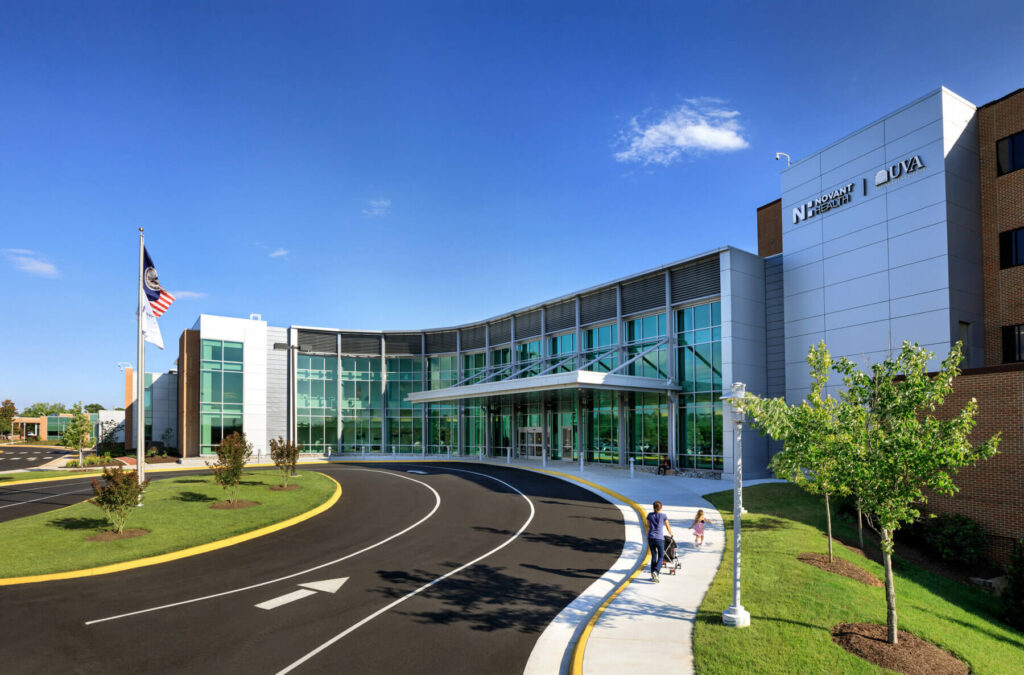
474 367
405 427
699 331
475 422
220 393
316 403
648 428
501 429
597 342
360 408
561 348
642 334
529 360
442 418
500 360
603 428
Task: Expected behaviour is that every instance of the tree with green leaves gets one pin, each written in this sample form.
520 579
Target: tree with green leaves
903 448
285 455
232 455
93 408
120 494
44 409
76 433
816 447
8 412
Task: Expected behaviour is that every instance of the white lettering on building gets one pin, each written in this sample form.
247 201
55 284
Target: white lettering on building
825 202
899 169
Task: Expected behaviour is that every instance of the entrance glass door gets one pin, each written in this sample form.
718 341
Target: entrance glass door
530 445
568 443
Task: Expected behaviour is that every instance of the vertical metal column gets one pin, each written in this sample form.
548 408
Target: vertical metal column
673 375
461 404
621 328
424 430
514 417
488 418
579 392
337 405
383 394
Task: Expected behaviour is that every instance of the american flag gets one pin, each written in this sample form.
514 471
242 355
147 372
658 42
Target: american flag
159 299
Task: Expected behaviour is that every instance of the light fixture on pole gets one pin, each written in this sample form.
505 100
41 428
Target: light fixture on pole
779 155
735 615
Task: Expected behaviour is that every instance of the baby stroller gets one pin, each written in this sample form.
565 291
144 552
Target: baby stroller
672 562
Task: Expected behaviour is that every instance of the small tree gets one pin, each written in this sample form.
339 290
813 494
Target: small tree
119 496
285 456
7 414
93 408
76 433
902 447
815 445
232 455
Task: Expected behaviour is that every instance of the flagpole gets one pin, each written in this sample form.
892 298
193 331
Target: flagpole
140 391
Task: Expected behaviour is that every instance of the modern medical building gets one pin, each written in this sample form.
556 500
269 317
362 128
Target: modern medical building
911 228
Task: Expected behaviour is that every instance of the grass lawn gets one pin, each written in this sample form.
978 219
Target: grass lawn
793 605
177 514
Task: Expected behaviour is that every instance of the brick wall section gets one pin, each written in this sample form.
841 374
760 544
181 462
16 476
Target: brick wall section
188 393
1002 209
991 491
769 229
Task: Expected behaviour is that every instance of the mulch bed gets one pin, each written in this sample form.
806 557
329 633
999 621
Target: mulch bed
284 488
237 504
92 467
114 536
161 460
911 655
840 566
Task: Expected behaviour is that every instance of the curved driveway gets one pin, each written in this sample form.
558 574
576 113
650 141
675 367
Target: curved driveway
448 570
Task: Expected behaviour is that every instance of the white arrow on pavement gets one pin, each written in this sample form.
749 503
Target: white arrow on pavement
326 586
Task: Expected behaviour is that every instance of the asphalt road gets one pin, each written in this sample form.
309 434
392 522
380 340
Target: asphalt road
452 570
26 456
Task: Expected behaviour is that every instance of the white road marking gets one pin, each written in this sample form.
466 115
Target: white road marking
437 505
29 501
5 491
286 598
325 586
419 590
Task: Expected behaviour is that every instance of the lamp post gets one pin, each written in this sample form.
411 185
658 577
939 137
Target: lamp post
735 615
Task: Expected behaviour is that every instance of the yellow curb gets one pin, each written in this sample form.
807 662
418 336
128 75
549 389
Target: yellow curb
576 665
184 553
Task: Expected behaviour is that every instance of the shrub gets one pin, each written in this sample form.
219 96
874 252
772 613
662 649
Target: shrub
119 496
232 455
954 538
1013 595
285 456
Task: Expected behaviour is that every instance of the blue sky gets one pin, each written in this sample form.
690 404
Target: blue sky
406 165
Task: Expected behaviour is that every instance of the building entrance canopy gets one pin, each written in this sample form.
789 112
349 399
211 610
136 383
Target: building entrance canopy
577 379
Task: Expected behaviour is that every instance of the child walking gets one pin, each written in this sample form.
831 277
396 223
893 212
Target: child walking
698 527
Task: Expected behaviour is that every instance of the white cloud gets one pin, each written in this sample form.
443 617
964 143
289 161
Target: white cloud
377 208
178 295
31 262
695 127
278 253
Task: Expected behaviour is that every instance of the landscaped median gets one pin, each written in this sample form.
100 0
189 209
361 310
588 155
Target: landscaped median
794 605
178 520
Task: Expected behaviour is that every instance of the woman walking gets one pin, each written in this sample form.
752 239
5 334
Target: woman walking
657 523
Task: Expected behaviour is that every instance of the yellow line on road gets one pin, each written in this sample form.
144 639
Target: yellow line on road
184 553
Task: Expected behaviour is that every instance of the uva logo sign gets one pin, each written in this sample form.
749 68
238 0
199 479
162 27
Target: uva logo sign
899 169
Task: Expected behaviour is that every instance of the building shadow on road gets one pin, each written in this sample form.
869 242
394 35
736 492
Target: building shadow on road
484 597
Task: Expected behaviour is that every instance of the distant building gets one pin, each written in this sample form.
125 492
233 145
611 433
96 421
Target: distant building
50 428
